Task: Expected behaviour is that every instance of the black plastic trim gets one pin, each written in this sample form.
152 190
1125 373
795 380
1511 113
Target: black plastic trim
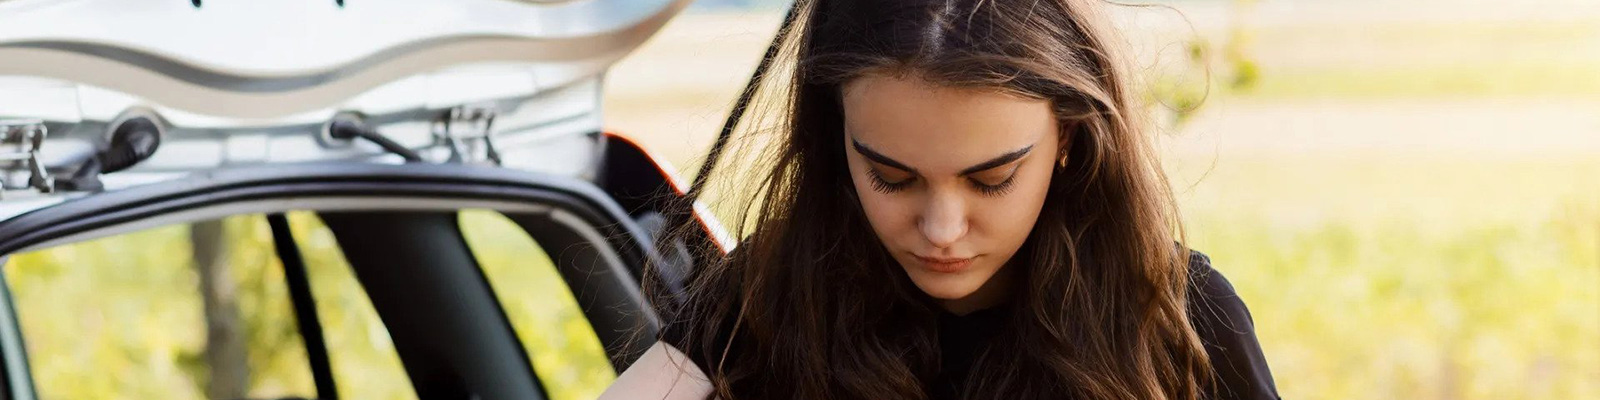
328 179
305 306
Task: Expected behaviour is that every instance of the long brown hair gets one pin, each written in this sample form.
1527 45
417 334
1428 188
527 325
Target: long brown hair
816 307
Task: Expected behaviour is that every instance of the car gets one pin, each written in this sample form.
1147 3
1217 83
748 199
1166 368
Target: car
326 199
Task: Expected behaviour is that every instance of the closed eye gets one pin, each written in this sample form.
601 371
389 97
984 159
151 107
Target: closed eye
991 177
995 182
994 176
886 185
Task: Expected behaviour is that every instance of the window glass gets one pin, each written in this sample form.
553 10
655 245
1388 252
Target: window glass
365 363
128 316
566 354
177 312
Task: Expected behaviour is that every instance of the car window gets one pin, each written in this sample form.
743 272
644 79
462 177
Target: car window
176 312
128 316
566 355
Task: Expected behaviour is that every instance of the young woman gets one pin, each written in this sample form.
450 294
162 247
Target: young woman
959 203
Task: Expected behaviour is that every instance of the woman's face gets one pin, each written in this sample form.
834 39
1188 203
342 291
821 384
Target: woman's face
951 179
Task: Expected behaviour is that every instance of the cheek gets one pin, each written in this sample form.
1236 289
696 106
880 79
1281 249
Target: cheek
1010 218
888 214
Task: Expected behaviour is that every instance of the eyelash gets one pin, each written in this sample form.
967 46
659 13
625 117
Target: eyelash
884 186
995 190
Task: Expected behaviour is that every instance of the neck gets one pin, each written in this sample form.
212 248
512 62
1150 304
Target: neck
992 293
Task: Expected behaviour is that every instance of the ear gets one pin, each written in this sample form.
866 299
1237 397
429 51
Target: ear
1065 142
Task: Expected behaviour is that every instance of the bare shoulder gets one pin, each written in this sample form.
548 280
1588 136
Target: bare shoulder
663 372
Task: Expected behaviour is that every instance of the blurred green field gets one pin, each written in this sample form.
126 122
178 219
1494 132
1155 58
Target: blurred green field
1387 279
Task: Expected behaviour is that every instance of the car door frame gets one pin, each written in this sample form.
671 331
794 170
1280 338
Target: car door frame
614 306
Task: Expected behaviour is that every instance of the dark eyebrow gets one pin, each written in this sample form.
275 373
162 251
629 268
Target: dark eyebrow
1003 159
879 158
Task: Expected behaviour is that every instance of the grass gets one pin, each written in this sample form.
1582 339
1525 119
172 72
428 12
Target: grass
1400 278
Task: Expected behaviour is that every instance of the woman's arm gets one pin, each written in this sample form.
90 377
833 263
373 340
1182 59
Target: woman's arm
662 373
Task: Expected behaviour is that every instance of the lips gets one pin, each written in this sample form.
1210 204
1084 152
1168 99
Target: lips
945 264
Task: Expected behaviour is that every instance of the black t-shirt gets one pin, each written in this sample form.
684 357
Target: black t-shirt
1220 318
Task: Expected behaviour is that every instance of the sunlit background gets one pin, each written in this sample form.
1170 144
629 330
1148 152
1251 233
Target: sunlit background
1405 193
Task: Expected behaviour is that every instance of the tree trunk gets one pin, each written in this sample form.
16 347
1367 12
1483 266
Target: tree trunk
225 355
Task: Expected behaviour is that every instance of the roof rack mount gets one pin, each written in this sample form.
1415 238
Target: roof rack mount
20 141
467 131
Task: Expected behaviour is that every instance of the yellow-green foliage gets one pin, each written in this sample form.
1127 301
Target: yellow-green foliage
1408 278
566 355
122 318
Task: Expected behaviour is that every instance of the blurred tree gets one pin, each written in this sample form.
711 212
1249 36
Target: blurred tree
1243 73
1182 94
225 352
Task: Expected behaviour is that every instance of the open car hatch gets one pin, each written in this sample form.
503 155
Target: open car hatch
370 133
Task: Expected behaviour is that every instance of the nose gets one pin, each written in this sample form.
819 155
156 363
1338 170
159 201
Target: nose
944 220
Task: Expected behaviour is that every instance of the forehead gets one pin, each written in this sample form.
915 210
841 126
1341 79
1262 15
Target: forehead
937 128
